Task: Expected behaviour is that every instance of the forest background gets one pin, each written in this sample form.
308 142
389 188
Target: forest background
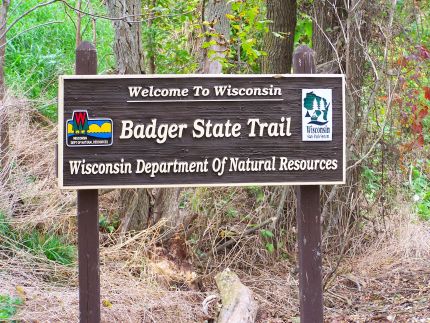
161 249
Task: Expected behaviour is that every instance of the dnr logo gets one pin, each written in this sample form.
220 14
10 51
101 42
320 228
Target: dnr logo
82 131
317 115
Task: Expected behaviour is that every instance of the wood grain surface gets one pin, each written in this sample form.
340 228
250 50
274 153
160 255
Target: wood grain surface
107 98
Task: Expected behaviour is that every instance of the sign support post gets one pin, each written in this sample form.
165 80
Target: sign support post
88 219
309 225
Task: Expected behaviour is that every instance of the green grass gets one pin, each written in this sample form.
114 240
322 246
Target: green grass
49 245
421 189
36 58
9 306
371 180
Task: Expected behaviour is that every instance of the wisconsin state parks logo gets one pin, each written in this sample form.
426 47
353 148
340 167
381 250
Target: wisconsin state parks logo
83 131
317 115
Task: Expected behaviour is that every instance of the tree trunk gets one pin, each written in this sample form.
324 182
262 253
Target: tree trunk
93 23
326 35
279 50
141 207
279 59
136 203
78 23
4 121
151 47
214 12
339 39
166 204
128 35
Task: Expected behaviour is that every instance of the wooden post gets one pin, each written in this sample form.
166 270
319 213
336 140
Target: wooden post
309 225
88 219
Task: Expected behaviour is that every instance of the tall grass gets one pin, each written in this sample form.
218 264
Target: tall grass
49 245
35 58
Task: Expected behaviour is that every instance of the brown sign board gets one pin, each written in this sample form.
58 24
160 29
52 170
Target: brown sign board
133 131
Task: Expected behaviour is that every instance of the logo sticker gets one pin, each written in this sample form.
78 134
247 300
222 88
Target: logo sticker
82 131
317 115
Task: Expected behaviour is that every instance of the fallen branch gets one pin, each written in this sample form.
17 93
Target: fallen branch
238 304
245 233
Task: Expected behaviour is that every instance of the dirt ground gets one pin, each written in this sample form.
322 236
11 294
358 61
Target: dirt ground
399 292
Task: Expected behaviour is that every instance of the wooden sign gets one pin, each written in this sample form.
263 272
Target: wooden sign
200 130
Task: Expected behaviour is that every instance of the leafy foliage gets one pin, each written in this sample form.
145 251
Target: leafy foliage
371 181
414 98
35 56
50 245
303 35
248 25
420 185
401 113
108 225
9 306
167 29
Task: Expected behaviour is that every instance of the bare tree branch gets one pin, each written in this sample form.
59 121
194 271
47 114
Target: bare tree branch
31 28
44 4
78 24
125 17
70 17
339 61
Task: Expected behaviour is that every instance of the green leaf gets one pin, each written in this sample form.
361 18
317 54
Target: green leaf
9 306
267 233
232 213
270 247
209 44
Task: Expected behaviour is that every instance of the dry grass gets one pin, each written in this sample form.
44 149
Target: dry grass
125 299
390 281
30 199
29 193
405 237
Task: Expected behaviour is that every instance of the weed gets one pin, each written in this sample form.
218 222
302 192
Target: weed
232 212
268 235
270 247
5 227
52 246
420 185
109 225
185 199
9 306
257 192
6 231
371 182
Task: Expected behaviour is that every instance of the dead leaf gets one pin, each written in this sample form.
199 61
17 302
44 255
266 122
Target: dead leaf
107 303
